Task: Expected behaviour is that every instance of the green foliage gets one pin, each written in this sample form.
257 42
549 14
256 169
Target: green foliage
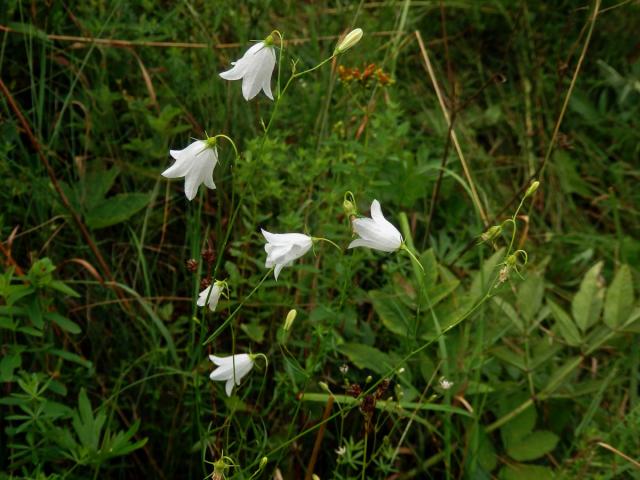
474 365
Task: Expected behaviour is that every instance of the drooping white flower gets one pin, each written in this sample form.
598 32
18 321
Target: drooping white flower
241 363
283 248
195 163
376 232
214 297
255 69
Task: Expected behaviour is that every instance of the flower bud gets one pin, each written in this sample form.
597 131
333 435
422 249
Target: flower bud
491 234
349 41
349 208
368 379
315 477
263 462
324 386
291 316
532 189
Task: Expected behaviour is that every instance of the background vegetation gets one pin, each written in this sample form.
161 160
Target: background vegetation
103 368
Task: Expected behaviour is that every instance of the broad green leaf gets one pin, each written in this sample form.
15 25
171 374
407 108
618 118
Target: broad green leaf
619 300
438 292
487 274
529 299
116 209
254 330
565 324
96 185
364 356
587 303
8 364
533 446
63 322
519 426
393 314
430 264
521 471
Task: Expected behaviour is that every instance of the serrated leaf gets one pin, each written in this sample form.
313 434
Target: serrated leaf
587 303
619 299
364 356
116 209
565 325
533 446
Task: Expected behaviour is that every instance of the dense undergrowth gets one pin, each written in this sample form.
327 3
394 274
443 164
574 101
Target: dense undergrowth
479 367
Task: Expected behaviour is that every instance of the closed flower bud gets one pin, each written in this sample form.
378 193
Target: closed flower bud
491 234
263 462
291 316
349 208
324 386
532 189
349 41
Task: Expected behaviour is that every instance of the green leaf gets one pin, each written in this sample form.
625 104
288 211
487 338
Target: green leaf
393 314
518 427
619 300
430 264
560 375
533 446
587 303
64 288
63 322
509 311
254 330
530 294
8 364
565 325
116 209
482 280
520 471
506 355
72 357
364 356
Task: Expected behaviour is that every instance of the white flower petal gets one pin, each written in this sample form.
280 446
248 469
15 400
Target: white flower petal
277 270
228 387
255 68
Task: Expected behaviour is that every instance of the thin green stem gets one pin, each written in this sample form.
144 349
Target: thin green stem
322 239
219 330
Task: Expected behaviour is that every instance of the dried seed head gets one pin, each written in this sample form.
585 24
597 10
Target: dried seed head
208 256
204 283
382 388
192 265
354 390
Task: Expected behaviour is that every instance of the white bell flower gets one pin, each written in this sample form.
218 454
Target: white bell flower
255 69
376 232
216 290
283 248
231 369
195 163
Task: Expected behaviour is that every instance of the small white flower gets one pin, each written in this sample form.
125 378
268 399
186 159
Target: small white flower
214 297
283 248
341 451
195 163
255 69
376 232
224 372
445 384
